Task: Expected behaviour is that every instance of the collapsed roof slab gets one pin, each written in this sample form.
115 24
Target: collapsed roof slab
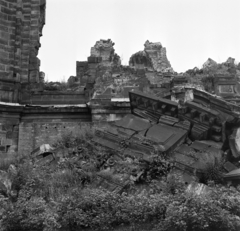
167 137
134 123
144 137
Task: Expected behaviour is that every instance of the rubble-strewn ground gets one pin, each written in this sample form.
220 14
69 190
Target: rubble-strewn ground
120 184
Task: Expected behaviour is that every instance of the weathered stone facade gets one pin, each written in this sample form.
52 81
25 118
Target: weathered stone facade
21 83
21 24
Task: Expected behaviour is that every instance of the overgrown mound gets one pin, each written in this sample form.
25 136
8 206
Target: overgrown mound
76 193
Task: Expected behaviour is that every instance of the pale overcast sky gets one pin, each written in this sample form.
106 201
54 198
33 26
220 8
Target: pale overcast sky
191 31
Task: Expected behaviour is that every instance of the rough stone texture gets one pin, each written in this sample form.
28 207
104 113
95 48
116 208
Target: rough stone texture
21 24
81 71
103 87
141 60
9 121
54 98
20 126
34 134
219 78
234 142
209 63
154 56
140 136
233 176
230 61
198 189
158 56
105 50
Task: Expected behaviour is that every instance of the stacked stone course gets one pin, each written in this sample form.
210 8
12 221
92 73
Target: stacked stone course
21 23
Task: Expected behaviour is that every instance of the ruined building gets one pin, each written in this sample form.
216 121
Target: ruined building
27 117
21 28
196 111
153 57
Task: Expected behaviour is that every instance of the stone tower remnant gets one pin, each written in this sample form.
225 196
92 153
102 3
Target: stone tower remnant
104 49
154 56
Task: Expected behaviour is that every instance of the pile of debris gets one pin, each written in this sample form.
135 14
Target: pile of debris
192 134
161 134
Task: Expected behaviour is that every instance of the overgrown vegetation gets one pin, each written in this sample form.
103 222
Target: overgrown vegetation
213 172
64 196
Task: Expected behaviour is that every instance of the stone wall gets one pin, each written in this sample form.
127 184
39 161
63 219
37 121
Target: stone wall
21 23
54 98
9 121
41 125
22 128
32 135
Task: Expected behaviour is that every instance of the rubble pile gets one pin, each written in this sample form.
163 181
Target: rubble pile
157 117
160 135
192 135
189 119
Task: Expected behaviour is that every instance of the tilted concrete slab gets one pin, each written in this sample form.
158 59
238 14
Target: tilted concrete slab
133 122
167 137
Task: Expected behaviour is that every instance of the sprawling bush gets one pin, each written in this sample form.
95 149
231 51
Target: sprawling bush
64 196
98 209
217 211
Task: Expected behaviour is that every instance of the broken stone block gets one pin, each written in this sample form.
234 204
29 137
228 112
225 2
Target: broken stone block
185 124
104 51
198 189
199 132
94 59
167 137
42 149
133 122
153 56
151 107
233 176
228 166
194 158
189 96
234 143
138 135
45 160
168 120
198 146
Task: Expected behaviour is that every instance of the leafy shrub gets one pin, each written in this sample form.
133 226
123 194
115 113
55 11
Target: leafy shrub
30 215
213 172
14 159
217 211
155 168
98 209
